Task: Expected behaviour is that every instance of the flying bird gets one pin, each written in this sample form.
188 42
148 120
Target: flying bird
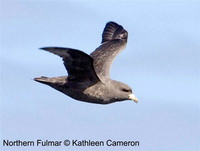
88 77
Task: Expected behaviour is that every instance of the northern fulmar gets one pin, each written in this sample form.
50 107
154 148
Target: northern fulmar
88 77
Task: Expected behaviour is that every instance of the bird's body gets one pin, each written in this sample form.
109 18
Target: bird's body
88 77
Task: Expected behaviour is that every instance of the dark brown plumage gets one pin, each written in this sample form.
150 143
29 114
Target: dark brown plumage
88 77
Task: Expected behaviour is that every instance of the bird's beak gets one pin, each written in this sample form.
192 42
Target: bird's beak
133 97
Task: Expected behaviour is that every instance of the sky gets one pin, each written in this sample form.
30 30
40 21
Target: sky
160 63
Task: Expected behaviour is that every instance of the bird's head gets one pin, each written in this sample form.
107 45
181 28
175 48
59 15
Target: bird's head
124 92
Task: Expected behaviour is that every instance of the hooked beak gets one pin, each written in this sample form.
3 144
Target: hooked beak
133 97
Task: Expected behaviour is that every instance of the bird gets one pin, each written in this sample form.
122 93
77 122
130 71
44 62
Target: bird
88 77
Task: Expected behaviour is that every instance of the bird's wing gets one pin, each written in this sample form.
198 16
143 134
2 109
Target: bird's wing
79 66
114 39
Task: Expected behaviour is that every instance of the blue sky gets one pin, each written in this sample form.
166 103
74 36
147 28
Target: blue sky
160 63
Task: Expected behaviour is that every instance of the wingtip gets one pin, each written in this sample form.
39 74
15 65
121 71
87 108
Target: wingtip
44 48
51 48
113 22
113 31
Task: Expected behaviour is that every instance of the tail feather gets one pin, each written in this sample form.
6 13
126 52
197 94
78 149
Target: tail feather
49 81
42 79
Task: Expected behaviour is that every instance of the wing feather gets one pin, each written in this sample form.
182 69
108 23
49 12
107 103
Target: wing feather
79 65
114 39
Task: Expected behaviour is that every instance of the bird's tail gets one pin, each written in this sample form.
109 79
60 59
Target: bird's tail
50 81
43 79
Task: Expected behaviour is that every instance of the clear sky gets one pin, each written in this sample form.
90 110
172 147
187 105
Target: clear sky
160 63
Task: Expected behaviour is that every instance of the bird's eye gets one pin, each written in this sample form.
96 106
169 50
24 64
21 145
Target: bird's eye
125 90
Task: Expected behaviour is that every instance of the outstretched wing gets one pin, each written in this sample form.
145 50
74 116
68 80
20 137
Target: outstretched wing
114 39
79 66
